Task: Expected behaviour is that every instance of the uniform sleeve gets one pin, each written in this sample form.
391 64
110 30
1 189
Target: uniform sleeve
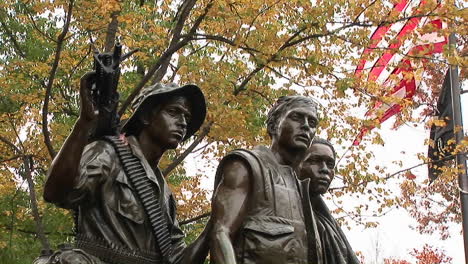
177 235
95 167
248 156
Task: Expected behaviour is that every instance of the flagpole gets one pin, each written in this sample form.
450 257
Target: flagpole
461 157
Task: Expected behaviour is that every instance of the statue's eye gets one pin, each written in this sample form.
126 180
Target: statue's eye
312 122
294 116
172 111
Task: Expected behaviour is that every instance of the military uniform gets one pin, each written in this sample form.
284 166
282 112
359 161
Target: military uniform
111 222
273 230
331 245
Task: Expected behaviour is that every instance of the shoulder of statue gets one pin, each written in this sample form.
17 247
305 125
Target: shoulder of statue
99 148
250 159
249 156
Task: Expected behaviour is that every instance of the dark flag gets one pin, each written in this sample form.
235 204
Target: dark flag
439 150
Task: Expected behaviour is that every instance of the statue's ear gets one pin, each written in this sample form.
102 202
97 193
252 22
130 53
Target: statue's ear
145 117
147 114
272 130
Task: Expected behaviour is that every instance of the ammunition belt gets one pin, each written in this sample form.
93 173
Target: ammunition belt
111 253
149 199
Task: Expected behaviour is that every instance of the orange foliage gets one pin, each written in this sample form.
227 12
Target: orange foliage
426 255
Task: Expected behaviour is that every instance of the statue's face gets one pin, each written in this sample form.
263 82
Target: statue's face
168 124
318 166
297 128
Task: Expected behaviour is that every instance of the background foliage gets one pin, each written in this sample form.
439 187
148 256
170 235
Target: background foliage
243 54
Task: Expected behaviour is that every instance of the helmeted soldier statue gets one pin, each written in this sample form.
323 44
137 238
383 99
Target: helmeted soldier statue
125 211
257 211
316 172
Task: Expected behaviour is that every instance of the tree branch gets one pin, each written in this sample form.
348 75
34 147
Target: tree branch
50 82
10 144
180 18
174 47
396 173
27 164
177 35
223 39
196 218
12 38
27 160
243 84
37 28
30 232
111 32
10 159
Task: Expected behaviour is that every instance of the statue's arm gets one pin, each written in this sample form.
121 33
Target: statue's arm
229 208
65 167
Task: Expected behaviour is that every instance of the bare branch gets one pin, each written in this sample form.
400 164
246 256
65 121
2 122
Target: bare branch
285 77
111 32
12 38
396 173
175 45
10 159
271 102
38 29
196 218
261 12
10 144
27 163
50 82
243 84
364 10
30 232
290 39
223 39
180 17
185 39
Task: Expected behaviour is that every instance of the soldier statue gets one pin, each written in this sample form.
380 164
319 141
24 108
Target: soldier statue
316 172
125 211
257 213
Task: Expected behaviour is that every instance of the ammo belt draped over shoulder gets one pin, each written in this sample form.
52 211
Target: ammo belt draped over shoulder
149 199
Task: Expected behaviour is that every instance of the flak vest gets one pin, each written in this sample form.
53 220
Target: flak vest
273 231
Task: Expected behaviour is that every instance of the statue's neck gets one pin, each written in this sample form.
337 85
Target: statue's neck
151 150
289 157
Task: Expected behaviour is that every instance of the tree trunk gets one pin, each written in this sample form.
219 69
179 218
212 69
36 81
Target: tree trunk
111 32
35 210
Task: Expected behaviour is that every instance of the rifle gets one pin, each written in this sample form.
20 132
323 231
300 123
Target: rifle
104 91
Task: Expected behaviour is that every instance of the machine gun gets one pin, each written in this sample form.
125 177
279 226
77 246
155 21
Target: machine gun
104 91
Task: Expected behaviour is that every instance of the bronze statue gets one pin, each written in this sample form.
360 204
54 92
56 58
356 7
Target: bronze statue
330 245
125 212
257 211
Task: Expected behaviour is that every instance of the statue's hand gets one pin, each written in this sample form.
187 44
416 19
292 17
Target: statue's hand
89 111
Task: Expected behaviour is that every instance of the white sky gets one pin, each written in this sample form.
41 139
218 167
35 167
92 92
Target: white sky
394 235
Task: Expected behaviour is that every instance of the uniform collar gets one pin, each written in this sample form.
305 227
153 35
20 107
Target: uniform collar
270 157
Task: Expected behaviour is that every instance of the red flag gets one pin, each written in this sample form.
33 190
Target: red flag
392 70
